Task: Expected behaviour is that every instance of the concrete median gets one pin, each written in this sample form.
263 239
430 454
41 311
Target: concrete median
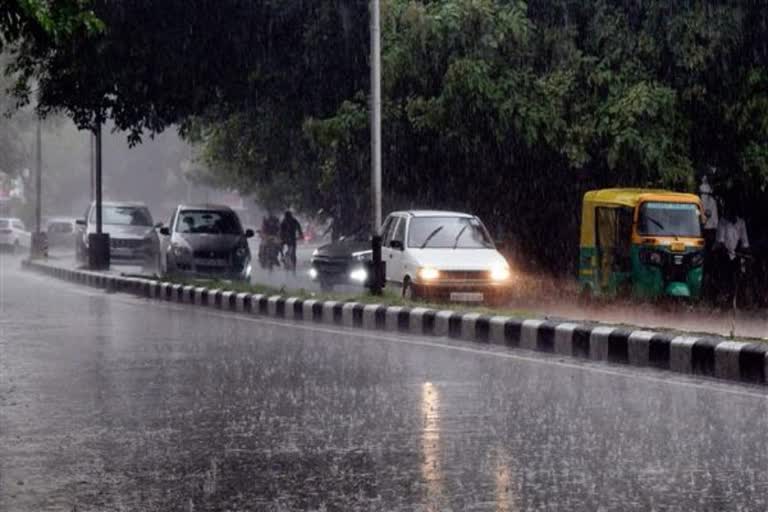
698 355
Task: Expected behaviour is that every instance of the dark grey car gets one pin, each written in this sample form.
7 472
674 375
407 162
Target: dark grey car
130 229
342 262
205 241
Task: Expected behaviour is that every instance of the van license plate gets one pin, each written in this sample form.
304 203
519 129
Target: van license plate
467 297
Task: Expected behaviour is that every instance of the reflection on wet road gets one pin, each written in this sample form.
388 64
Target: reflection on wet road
108 402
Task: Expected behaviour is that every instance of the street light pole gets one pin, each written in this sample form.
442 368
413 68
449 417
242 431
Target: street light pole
378 274
92 165
98 242
39 245
375 117
97 181
39 178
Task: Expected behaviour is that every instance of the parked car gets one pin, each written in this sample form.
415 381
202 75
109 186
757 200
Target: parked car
205 241
60 232
130 229
343 261
14 235
443 255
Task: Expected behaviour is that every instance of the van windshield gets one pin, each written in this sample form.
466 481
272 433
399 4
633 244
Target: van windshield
448 233
669 219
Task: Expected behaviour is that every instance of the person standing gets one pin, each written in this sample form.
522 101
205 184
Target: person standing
711 218
290 232
710 221
732 237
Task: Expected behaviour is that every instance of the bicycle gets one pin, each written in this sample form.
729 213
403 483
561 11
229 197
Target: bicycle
289 257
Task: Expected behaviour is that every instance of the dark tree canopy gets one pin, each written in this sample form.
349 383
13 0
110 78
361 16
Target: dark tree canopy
507 108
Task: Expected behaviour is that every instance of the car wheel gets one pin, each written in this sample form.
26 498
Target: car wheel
326 285
409 293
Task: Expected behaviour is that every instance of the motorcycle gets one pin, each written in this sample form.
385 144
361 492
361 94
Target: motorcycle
270 248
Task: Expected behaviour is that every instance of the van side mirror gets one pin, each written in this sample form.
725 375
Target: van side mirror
249 233
165 231
80 222
396 244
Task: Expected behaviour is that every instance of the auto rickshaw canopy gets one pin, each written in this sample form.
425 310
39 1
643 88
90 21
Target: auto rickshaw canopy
623 197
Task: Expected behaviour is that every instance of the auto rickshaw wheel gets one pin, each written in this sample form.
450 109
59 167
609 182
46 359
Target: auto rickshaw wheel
586 296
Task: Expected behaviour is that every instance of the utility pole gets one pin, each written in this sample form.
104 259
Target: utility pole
92 166
98 242
375 117
39 246
378 273
39 179
97 180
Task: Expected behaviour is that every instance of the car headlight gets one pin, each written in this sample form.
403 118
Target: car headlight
361 256
429 273
500 273
180 251
359 275
314 253
313 273
241 252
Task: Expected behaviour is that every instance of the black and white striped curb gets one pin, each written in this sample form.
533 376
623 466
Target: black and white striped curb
713 357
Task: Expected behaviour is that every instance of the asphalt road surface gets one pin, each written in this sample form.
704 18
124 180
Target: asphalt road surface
111 402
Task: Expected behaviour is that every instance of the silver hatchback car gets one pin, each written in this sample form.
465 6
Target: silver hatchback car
205 241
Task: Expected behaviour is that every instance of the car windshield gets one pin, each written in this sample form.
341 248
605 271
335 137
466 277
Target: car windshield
448 233
669 219
123 216
208 222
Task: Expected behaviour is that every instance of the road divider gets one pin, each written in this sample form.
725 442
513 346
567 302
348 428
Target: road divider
697 355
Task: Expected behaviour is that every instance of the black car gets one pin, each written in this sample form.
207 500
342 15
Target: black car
342 262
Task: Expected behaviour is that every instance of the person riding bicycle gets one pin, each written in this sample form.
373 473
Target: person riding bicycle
270 248
290 232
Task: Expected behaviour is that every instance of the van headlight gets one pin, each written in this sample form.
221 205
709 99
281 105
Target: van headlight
500 273
429 273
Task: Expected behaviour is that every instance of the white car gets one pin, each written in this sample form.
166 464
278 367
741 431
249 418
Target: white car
444 255
13 234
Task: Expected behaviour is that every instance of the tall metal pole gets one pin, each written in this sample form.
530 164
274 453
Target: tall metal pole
98 178
93 166
376 280
375 118
39 179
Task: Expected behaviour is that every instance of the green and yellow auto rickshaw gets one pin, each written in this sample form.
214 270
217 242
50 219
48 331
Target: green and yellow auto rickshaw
644 242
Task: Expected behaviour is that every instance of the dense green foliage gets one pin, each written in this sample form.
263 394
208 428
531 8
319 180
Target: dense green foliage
513 109
501 107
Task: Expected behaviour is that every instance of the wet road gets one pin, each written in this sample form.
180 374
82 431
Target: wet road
110 402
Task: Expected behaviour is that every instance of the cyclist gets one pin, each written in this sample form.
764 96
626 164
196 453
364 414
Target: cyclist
290 232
